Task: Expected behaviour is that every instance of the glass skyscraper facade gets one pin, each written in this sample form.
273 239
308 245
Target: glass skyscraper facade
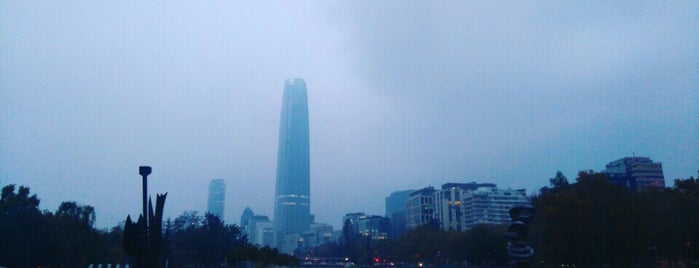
292 197
217 197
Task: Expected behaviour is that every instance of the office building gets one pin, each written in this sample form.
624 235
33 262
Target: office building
374 227
351 222
420 208
396 202
258 228
246 217
323 233
447 203
217 198
635 173
292 196
489 205
361 225
396 211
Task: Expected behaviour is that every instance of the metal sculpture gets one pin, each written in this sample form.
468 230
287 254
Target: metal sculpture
143 238
521 253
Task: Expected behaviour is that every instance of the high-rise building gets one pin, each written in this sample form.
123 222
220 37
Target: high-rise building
246 217
359 224
292 197
635 173
217 198
489 205
396 202
420 208
374 227
447 203
396 211
323 233
257 228
461 206
350 222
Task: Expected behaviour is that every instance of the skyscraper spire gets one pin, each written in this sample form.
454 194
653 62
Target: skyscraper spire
292 199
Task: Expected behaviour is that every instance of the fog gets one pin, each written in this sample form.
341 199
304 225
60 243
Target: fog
402 95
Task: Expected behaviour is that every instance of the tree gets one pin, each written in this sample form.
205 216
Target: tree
245 252
486 245
558 182
421 244
215 240
206 238
592 223
671 216
76 240
71 211
22 231
189 220
113 245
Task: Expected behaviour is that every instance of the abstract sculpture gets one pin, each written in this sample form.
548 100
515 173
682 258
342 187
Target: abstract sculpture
143 239
520 252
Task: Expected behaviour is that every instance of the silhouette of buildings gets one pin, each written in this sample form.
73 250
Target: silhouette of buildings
373 227
635 173
395 210
351 222
246 217
258 228
322 233
292 196
217 198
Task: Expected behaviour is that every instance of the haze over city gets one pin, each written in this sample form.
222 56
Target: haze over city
401 95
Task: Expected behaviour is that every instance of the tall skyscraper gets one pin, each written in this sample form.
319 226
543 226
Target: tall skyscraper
217 197
292 212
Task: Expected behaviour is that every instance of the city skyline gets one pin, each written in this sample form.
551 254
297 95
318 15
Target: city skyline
404 95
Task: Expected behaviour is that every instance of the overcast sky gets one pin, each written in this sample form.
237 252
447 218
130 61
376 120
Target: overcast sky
402 95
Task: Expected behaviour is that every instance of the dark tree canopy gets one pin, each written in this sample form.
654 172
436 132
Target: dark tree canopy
595 223
29 237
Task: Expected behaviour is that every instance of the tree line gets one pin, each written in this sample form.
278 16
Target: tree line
30 237
67 237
